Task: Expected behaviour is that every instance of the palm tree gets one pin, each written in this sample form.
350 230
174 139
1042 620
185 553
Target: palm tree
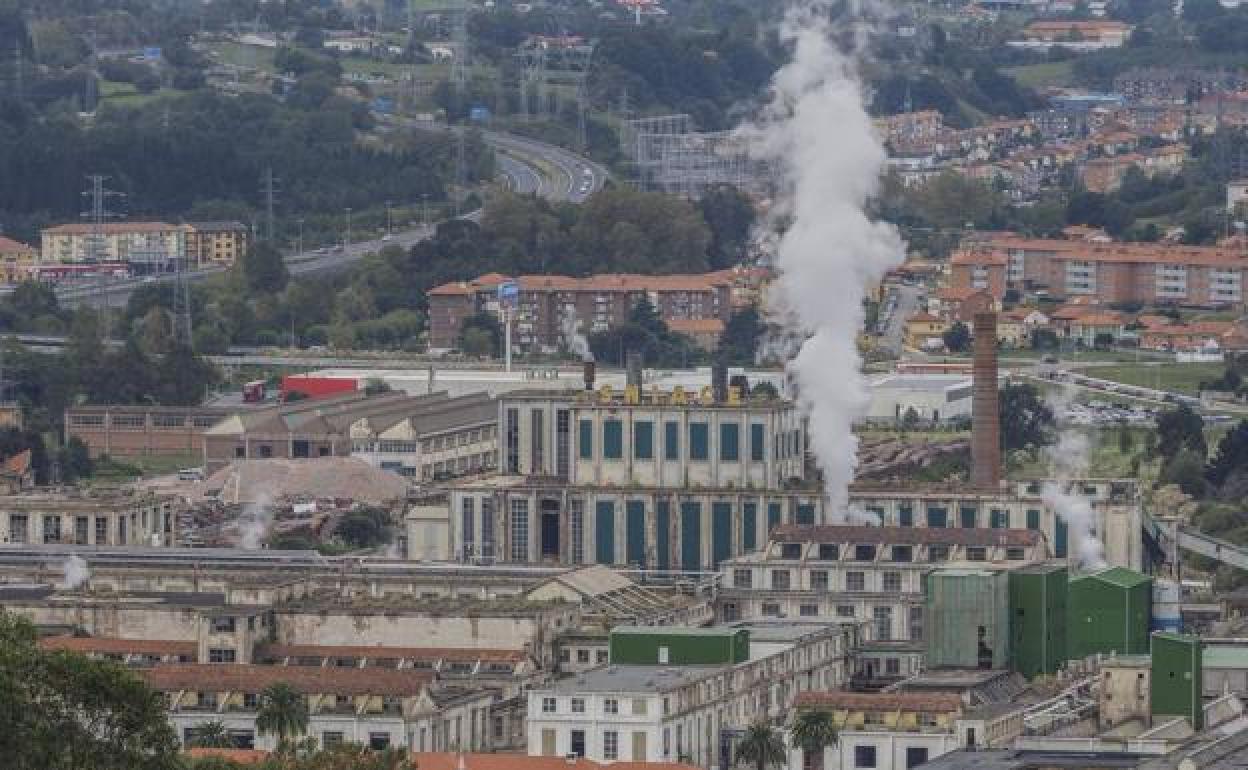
212 735
812 731
283 712
762 747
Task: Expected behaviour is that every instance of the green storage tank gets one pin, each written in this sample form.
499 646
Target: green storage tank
1038 597
667 645
1109 612
1177 676
969 617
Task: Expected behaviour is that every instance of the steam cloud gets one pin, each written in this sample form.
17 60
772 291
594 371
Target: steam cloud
570 330
818 137
254 523
76 572
1069 458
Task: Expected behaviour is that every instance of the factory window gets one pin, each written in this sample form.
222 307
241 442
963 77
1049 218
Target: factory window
519 530
937 517
610 706
883 617
1015 554
577 746
487 526
1000 519
729 442
251 701
582 656
844 610
742 578
223 625
780 580
1033 519
892 666
790 550
855 581
938 553
808 610
379 741
903 553
699 441
512 443
671 441
916 624
576 530
829 552
892 582
864 553
586 440
819 580
266 450
639 707
601 656
612 439
18 529
758 442
1061 537
643 440
915 756
548 705
771 609
330 739
968 517
610 744
976 553
52 529
578 705
468 515
537 443
101 530
905 516
220 655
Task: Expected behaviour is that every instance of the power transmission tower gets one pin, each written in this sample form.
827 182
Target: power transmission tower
182 333
459 78
268 186
97 214
91 95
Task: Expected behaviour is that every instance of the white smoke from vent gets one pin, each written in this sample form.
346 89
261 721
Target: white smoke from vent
1070 460
254 523
76 572
570 330
818 137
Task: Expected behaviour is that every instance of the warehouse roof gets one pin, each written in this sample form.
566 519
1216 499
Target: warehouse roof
1224 656
236 677
106 645
878 701
1119 576
367 651
633 679
694 631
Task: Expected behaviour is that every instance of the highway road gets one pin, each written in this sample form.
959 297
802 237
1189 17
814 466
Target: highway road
527 165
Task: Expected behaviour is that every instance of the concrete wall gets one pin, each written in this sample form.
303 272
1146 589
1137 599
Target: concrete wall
409 629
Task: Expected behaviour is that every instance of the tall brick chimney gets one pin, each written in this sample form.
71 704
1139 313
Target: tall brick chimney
985 404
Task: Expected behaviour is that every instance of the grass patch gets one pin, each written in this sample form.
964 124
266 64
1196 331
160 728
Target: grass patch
115 469
1105 457
1180 378
240 55
1049 73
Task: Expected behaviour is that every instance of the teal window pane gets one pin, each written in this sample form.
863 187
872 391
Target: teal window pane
1059 548
968 516
671 441
604 529
729 442
643 440
937 517
905 516
721 533
699 441
1000 519
612 439
635 526
773 516
1033 519
758 446
749 526
586 440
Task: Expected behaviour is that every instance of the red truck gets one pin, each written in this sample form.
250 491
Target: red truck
253 392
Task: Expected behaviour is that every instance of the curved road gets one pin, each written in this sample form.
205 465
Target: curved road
530 167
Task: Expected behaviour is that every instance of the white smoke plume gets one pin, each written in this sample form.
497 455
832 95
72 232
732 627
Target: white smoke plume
570 329
818 137
76 572
1069 458
254 523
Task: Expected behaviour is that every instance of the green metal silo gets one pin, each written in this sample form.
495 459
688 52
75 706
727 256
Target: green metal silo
1109 613
1038 613
1177 677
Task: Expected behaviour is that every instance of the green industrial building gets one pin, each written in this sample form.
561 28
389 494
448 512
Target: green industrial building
678 646
969 616
1109 613
1177 678
1038 613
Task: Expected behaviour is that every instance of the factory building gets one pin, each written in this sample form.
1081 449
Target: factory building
660 479
928 397
1109 613
89 518
1038 615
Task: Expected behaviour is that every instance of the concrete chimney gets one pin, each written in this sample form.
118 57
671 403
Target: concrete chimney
985 405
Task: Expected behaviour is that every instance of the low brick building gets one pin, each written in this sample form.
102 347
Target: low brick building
122 431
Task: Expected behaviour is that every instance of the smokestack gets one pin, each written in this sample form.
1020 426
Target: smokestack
590 370
633 369
719 381
985 405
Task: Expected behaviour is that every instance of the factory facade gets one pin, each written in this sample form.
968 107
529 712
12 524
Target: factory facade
661 479
88 519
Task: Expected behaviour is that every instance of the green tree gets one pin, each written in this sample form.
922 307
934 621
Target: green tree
1231 456
1026 421
957 338
283 712
212 735
762 747
481 334
262 269
730 216
75 460
365 528
61 711
1126 440
1185 469
1179 429
739 342
812 731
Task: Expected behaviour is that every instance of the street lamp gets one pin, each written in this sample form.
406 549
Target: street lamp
346 246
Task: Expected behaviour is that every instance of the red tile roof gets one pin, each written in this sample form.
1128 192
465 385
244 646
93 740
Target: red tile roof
238 677
627 282
905 535
862 701
365 651
112 228
18 464
449 760
107 645
10 246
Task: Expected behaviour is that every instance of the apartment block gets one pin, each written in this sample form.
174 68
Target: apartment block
145 243
216 243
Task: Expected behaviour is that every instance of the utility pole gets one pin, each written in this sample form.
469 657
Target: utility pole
346 247
96 214
268 186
